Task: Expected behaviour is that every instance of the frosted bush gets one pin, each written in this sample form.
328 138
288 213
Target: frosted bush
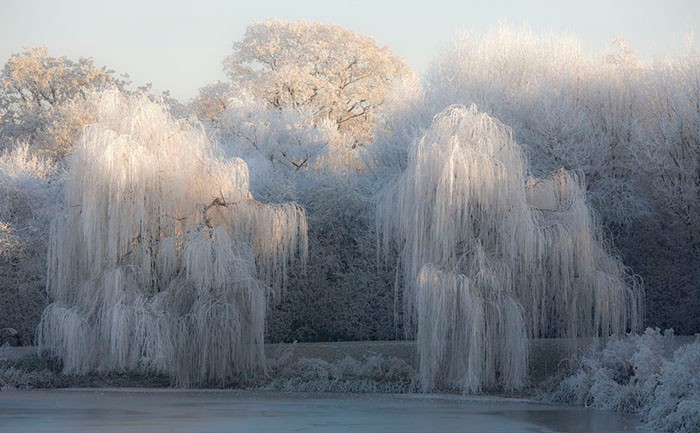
640 374
620 377
16 377
373 374
161 260
676 403
490 256
12 378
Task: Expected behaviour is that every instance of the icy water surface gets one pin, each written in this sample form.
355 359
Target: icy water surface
110 410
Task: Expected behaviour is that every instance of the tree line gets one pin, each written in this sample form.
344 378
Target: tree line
326 118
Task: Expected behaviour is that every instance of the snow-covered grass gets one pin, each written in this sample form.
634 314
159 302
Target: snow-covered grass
640 374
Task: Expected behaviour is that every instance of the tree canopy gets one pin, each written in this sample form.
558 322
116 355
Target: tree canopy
40 94
341 75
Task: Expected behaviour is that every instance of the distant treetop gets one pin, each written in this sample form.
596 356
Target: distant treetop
340 75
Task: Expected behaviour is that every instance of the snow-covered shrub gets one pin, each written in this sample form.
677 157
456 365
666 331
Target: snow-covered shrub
373 374
28 372
676 404
160 260
622 376
640 374
12 378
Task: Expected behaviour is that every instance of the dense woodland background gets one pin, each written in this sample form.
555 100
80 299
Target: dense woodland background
325 118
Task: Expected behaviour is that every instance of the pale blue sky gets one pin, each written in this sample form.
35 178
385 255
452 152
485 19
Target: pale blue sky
180 45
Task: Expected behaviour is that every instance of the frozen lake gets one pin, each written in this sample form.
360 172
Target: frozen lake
138 410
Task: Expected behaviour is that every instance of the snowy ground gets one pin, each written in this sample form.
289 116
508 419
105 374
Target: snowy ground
128 410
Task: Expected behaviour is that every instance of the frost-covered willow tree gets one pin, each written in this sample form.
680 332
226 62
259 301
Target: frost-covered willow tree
491 256
161 260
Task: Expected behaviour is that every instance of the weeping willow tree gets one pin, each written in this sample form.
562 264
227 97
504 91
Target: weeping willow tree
161 260
490 257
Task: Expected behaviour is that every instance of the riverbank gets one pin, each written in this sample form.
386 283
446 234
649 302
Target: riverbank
359 366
